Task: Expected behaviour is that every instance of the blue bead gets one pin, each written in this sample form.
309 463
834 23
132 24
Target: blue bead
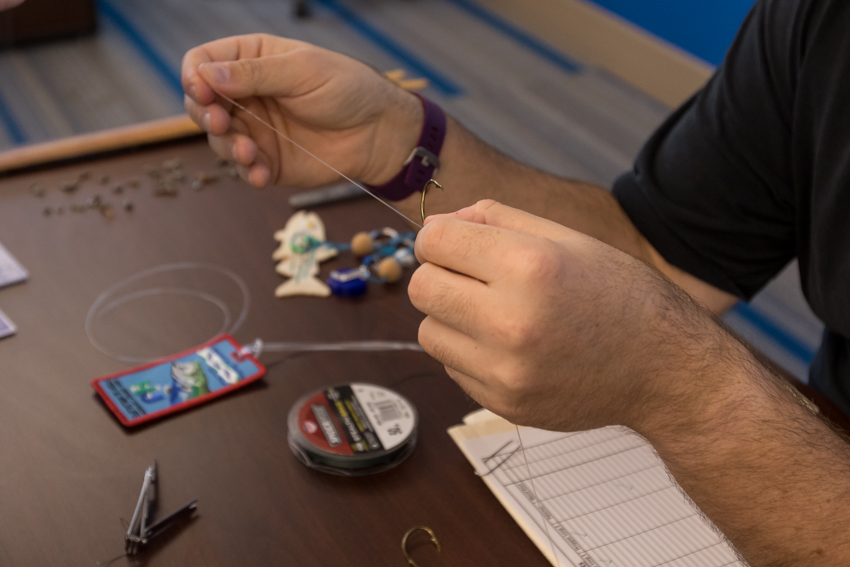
347 287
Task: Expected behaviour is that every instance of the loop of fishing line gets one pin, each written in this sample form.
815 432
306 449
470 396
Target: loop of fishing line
112 298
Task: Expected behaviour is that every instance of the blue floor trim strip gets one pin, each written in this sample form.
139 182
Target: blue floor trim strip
522 37
438 80
170 76
7 118
791 344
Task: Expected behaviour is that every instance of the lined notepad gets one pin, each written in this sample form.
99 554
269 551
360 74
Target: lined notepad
605 497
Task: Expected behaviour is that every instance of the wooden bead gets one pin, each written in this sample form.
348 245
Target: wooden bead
361 244
390 270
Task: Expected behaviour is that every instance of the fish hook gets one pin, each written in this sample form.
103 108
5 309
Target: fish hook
413 529
424 191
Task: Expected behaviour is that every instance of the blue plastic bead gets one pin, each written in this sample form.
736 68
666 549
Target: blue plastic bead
344 287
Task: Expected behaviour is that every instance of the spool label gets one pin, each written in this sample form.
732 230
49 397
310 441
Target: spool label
326 424
392 418
368 418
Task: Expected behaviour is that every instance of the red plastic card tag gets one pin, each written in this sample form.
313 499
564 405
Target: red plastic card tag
178 382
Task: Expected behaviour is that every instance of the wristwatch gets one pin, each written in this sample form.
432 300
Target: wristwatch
419 166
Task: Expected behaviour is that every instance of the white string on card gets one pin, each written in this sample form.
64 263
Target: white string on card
538 504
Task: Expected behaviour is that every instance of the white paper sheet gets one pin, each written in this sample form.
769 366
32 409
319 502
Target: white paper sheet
11 271
607 498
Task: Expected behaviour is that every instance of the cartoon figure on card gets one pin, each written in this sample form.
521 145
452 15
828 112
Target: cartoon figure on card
302 248
189 381
178 382
148 392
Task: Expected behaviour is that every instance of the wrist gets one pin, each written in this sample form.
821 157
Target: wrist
698 374
731 393
423 161
395 137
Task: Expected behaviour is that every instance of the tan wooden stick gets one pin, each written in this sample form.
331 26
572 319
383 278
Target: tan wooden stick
151 132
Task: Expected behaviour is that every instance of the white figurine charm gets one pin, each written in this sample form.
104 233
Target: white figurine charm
302 248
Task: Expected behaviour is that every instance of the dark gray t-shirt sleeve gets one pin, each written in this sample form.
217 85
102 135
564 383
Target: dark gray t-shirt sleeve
712 190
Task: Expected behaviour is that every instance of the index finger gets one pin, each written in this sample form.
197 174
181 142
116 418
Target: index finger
475 250
228 49
493 213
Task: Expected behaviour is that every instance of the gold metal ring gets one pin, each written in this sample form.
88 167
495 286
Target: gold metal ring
413 529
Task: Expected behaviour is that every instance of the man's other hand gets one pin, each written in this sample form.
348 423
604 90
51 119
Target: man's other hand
551 328
336 107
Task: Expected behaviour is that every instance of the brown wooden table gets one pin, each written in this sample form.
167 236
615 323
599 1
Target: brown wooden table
69 471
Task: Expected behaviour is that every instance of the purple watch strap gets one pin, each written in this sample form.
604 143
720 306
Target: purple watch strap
423 160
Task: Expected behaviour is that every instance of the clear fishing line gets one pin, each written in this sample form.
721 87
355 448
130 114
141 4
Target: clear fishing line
119 294
259 347
352 429
537 502
317 158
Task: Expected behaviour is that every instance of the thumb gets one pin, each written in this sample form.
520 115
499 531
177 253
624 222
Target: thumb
493 213
261 76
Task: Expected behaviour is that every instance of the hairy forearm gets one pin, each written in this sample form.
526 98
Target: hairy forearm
472 170
770 475
766 470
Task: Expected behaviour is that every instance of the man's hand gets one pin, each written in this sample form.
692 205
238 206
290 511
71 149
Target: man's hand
364 126
552 328
336 107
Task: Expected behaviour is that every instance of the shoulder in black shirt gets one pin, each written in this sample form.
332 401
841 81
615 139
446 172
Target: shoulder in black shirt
754 171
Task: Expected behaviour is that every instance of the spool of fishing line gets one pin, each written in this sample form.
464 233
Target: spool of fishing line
353 429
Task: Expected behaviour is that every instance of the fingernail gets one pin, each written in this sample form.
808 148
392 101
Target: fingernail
218 72
206 121
192 92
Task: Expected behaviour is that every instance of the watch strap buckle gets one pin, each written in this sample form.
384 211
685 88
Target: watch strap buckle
429 159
